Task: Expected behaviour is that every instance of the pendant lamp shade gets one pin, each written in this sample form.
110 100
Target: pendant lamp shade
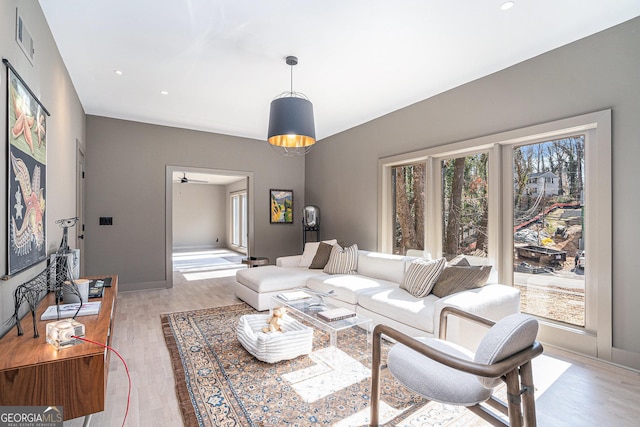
291 123
291 126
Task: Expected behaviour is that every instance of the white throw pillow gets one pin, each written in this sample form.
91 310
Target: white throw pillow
422 275
310 250
342 261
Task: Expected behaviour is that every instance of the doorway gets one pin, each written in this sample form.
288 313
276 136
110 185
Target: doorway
199 221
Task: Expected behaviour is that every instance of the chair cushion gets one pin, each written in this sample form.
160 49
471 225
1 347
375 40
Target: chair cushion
342 261
422 275
434 380
508 336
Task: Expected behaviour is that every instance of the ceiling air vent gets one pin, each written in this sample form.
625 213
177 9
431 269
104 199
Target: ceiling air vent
23 38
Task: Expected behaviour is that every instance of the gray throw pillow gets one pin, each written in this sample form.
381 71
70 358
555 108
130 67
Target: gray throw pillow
421 276
456 279
322 256
460 261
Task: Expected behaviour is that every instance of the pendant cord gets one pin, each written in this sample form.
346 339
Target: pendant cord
291 66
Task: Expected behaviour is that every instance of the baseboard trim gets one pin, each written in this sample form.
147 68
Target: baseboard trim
142 286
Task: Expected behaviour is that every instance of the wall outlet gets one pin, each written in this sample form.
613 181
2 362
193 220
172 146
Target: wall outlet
106 220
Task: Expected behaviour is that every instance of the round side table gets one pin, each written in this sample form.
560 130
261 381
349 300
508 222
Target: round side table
255 261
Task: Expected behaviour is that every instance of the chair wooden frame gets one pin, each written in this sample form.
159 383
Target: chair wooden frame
516 371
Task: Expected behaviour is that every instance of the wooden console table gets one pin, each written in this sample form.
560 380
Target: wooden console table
32 372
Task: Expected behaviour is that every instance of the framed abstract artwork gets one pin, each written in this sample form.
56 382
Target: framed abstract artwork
281 208
27 173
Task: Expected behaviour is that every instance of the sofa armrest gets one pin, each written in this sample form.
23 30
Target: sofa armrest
288 261
491 301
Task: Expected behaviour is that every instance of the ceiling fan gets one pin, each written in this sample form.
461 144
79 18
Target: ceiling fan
185 180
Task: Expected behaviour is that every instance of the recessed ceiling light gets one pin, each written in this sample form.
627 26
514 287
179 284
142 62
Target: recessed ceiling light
164 92
507 5
118 72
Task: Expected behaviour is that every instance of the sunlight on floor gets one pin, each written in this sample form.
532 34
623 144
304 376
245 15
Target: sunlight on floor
546 371
333 371
212 274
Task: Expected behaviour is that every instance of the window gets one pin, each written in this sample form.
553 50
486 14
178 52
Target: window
465 207
239 219
408 206
522 202
548 238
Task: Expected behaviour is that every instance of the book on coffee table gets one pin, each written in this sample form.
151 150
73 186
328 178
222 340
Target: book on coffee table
336 314
294 295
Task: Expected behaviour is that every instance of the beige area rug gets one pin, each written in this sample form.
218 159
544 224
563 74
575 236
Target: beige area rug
219 384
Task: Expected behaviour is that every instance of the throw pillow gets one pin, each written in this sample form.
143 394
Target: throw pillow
422 275
322 256
460 261
310 250
342 261
456 279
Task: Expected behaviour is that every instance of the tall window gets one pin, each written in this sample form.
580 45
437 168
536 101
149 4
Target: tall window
239 219
408 206
548 234
465 207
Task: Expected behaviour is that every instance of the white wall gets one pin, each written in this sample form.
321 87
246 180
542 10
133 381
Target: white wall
596 73
49 80
199 220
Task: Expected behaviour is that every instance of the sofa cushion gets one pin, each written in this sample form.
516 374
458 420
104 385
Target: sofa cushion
347 287
310 250
382 266
457 279
422 275
271 278
322 256
400 305
342 261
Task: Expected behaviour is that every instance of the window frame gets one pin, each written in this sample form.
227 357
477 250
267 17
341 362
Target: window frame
595 338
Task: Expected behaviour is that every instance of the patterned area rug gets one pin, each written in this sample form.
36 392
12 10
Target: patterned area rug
219 384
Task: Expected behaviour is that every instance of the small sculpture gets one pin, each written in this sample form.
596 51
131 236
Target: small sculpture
273 325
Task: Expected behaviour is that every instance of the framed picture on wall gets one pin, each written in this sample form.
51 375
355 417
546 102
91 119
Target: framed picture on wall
27 173
281 208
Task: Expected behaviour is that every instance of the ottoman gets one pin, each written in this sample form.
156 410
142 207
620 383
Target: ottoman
295 339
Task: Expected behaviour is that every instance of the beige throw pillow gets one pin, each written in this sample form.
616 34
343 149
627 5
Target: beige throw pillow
342 261
322 256
456 279
422 275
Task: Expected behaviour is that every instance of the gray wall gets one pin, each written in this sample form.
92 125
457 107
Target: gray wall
49 80
596 73
199 216
127 162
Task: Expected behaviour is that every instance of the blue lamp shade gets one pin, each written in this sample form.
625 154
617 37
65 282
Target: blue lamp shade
291 123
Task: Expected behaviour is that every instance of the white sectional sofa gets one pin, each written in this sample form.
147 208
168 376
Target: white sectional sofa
376 293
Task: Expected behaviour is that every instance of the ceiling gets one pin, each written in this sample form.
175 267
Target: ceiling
222 61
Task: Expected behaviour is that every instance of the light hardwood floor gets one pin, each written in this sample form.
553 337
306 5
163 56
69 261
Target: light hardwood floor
571 390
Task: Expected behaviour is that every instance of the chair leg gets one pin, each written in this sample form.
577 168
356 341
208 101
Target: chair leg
528 398
375 378
513 398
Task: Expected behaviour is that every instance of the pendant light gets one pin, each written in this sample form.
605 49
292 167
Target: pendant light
291 126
